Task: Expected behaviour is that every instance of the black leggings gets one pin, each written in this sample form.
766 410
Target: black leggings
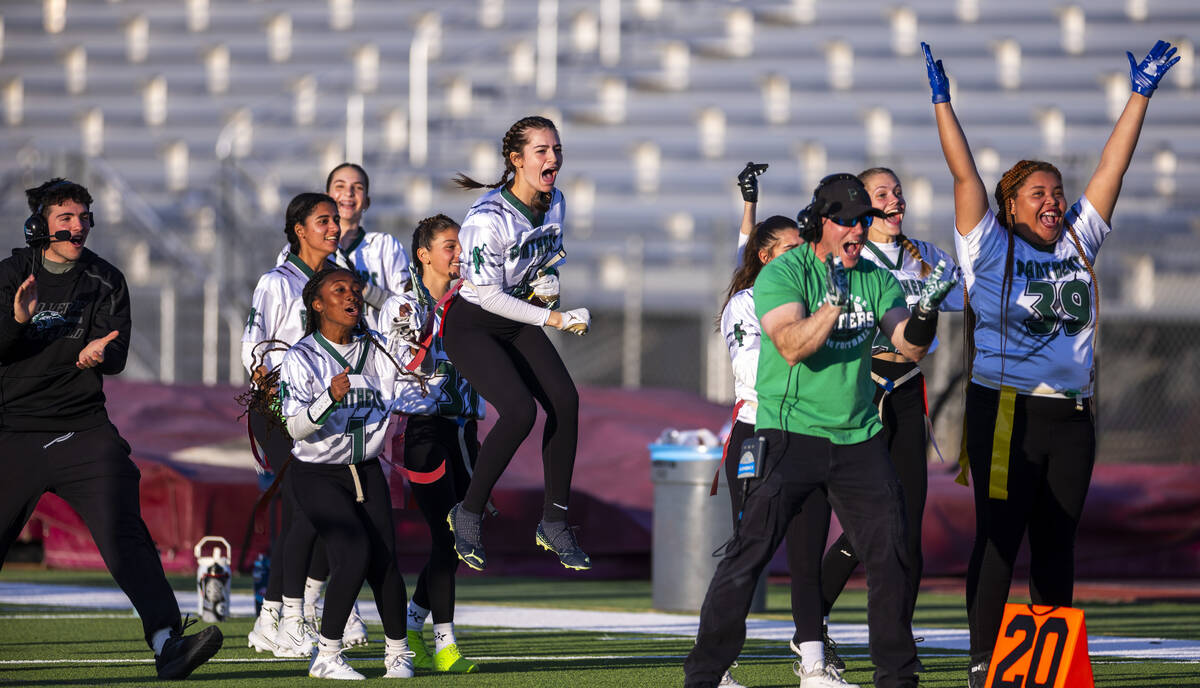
904 432
512 365
432 445
1048 460
296 539
91 470
360 539
805 540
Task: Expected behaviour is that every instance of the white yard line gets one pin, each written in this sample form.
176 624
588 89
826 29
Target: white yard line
645 623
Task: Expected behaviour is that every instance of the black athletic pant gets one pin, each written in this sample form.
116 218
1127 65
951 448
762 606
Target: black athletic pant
865 494
1037 477
904 431
432 444
91 470
360 540
805 540
296 540
512 365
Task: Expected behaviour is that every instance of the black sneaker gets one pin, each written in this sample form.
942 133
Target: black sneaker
467 541
570 554
977 675
182 654
831 656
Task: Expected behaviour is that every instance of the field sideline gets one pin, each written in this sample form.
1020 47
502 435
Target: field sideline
539 633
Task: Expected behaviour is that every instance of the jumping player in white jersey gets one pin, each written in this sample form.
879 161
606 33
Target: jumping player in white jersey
440 440
900 385
337 386
1030 432
276 321
512 241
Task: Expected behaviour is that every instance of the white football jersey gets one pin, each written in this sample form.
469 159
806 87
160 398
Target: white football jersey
742 332
907 270
445 393
1044 345
502 245
354 429
276 313
377 258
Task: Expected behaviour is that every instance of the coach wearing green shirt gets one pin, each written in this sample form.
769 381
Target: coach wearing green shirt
820 307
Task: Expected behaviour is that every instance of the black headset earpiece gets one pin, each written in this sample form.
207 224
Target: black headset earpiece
36 229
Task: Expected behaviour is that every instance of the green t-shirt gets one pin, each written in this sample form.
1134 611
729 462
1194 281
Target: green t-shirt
830 393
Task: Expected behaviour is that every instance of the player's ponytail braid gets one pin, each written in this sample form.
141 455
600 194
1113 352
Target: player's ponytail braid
513 142
913 251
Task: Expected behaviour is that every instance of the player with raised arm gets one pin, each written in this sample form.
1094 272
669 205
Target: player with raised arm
512 241
337 387
440 440
819 306
277 319
1033 296
900 385
64 325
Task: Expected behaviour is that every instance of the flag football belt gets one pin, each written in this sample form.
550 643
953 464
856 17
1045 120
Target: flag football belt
725 450
888 386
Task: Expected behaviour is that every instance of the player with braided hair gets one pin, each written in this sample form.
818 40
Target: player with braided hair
1030 434
900 385
512 243
338 385
439 443
276 321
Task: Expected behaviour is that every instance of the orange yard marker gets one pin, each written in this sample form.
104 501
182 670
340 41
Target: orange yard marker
1041 647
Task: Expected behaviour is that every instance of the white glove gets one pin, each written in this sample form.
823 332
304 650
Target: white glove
576 321
406 326
545 289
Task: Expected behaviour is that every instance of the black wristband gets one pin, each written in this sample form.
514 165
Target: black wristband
921 327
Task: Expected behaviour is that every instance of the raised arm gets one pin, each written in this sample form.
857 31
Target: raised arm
1105 184
748 185
970 195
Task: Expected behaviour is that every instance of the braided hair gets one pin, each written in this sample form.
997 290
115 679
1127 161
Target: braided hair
298 212
1005 192
763 237
514 142
423 236
904 241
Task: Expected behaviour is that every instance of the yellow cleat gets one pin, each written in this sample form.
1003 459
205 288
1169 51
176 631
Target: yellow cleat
421 657
450 660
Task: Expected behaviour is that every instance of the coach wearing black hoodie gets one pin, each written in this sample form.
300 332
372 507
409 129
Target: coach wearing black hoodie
64 324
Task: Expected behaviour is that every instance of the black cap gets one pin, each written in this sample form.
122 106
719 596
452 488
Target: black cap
843 197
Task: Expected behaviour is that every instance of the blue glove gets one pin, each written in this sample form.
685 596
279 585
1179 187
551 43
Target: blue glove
1145 75
938 83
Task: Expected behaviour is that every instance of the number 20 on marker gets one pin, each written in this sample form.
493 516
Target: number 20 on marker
1041 647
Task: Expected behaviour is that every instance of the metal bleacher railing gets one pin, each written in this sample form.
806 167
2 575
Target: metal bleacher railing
194 121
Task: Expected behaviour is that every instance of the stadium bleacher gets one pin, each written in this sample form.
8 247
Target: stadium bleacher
265 118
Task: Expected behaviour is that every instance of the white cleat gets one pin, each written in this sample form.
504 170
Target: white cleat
356 629
332 665
399 665
727 681
822 676
295 638
266 627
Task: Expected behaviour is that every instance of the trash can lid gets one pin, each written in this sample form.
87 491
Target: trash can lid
680 452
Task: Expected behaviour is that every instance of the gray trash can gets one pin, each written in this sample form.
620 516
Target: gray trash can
688 526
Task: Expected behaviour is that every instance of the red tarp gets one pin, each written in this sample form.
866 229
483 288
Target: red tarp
1140 520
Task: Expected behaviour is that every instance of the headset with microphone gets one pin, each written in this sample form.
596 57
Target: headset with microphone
37 229
809 218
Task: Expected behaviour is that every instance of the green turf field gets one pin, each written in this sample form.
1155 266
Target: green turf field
106 648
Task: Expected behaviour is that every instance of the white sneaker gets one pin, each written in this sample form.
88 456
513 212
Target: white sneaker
727 681
266 627
332 665
356 629
399 665
822 676
295 638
